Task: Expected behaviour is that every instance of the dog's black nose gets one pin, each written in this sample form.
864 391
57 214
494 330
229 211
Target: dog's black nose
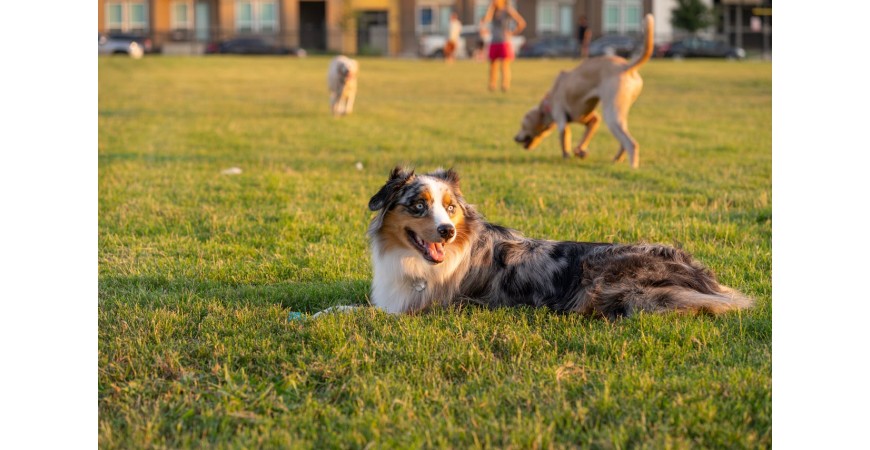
446 231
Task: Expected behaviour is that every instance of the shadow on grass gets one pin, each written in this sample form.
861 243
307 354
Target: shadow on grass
156 291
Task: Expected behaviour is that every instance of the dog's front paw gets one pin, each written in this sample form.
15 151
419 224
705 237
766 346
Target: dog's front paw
580 153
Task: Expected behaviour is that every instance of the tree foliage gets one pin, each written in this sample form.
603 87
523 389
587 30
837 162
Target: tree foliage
691 15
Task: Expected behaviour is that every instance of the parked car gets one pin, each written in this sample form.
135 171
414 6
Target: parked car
109 45
613 44
249 46
701 48
550 47
143 41
432 46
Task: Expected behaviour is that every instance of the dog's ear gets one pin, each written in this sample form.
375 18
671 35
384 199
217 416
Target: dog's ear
399 176
545 107
449 175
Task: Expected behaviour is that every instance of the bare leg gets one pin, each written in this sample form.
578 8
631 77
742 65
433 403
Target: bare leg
592 122
505 74
492 74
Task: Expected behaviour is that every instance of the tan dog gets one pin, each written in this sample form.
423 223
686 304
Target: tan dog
341 79
609 80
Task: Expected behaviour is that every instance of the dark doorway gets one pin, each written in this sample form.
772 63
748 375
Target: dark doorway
312 25
372 33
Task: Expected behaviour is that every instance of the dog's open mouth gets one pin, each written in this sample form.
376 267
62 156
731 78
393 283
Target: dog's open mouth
431 251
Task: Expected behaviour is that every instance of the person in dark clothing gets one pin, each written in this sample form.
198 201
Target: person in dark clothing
583 36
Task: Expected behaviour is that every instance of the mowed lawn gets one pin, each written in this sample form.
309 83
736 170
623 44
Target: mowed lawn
199 270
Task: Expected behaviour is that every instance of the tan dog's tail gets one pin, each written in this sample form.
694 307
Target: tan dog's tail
647 44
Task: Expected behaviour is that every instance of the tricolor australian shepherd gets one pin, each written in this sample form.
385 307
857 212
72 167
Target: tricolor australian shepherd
431 247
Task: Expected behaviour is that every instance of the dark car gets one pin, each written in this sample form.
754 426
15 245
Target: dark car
702 48
613 44
248 46
550 47
143 41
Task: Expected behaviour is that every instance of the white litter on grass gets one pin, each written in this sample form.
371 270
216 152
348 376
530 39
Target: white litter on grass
359 166
231 171
336 309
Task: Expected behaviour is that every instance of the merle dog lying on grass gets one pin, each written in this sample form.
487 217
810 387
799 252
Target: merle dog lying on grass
431 247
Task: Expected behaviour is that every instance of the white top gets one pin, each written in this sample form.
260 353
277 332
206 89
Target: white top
455 30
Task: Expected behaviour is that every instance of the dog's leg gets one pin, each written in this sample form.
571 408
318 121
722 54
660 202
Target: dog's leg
342 104
348 107
333 103
620 155
616 119
565 137
592 122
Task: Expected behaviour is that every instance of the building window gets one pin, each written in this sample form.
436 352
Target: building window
566 26
434 18
426 21
180 17
444 23
622 16
268 17
254 16
555 18
127 17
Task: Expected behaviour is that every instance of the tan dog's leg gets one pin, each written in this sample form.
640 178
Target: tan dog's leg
565 136
348 108
592 121
620 155
617 120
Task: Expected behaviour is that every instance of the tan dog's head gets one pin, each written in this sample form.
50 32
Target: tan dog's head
536 125
422 213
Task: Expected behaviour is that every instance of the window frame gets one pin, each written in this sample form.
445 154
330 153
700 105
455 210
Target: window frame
257 24
431 27
127 23
558 11
621 23
177 24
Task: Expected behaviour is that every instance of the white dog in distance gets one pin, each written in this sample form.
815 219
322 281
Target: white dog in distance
341 79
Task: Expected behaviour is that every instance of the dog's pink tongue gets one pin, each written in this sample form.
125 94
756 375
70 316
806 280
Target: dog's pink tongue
436 251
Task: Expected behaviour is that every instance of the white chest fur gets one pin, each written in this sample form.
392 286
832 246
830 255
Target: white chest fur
404 282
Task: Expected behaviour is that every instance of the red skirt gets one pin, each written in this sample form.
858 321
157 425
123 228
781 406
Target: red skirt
501 50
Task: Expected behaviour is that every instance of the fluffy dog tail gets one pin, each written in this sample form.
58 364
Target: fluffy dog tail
618 301
642 58
623 280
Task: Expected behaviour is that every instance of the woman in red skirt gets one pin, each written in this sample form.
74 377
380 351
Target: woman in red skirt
498 15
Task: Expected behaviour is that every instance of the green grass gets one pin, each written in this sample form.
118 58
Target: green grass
198 270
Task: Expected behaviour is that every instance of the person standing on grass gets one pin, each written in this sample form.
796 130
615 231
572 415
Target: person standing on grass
499 15
583 36
455 31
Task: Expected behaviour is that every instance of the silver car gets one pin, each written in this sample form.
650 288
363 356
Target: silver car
115 46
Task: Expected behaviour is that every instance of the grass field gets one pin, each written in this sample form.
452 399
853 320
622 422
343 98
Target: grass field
198 270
